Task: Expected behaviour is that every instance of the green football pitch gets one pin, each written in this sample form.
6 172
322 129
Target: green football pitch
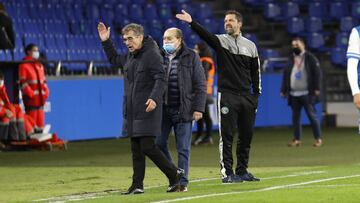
96 171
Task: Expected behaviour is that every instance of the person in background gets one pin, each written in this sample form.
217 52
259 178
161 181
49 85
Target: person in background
184 98
33 86
353 71
208 64
7 36
301 86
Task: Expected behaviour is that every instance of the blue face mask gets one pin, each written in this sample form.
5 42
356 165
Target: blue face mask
169 48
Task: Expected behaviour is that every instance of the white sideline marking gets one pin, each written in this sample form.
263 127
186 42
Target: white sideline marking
94 195
258 190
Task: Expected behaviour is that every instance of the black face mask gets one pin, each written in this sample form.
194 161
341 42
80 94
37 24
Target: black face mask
296 51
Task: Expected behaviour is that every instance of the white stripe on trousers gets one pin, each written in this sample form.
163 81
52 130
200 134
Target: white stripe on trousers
221 144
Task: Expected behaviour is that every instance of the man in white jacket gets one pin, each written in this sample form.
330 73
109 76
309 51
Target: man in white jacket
353 57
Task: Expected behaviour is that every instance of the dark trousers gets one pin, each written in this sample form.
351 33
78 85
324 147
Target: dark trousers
208 123
236 113
141 146
183 132
297 103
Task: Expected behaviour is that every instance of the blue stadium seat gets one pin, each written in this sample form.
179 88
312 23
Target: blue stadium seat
165 11
187 7
192 40
159 2
290 9
50 41
106 14
211 24
139 2
314 24
316 41
295 25
204 11
121 10
136 13
342 39
18 41
75 28
59 12
338 9
272 11
30 38
255 3
150 12
251 37
347 23
92 12
185 28
338 56
168 23
355 10
61 41
318 9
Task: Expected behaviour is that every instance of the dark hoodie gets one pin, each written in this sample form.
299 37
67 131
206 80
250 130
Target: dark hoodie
144 79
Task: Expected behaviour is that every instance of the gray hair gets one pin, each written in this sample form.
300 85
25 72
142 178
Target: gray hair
136 28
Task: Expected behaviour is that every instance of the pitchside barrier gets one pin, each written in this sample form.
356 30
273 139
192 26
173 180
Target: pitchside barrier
90 107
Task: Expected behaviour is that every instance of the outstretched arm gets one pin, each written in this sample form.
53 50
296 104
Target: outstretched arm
208 37
108 46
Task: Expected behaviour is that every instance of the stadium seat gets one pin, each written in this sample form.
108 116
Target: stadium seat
314 24
295 25
290 9
342 39
338 56
318 9
347 23
251 37
316 41
150 12
165 11
355 10
204 11
121 11
338 9
272 11
136 13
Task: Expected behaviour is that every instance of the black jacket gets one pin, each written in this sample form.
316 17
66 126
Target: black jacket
7 38
314 76
192 83
238 62
144 78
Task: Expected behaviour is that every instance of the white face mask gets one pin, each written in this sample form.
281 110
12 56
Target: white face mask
36 55
1 83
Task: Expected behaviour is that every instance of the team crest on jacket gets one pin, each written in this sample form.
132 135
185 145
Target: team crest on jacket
224 110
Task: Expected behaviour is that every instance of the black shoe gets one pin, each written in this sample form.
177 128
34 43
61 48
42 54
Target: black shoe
231 179
174 185
248 177
206 141
133 190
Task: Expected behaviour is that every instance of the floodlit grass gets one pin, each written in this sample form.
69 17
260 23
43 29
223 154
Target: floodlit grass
301 174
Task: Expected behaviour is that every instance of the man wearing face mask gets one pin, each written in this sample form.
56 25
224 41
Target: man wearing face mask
301 85
184 98
33 86
239 88
144 85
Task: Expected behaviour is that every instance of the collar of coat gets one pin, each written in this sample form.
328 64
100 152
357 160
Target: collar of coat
148 43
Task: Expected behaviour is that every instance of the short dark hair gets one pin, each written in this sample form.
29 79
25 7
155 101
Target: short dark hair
136 28
29 47
299 39
236 13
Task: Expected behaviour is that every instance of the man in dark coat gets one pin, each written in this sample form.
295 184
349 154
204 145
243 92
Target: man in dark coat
144 84
7 39
184 98
301 85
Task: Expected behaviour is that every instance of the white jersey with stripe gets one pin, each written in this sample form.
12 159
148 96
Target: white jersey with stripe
353 57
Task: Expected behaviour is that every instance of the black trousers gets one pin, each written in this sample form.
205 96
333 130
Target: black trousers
145 146
236 115
208 122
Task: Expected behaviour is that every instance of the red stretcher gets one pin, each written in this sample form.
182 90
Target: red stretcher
52 144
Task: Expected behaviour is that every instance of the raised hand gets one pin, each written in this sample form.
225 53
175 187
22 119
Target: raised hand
186 17
104 33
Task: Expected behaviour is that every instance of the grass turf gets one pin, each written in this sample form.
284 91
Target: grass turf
95 166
